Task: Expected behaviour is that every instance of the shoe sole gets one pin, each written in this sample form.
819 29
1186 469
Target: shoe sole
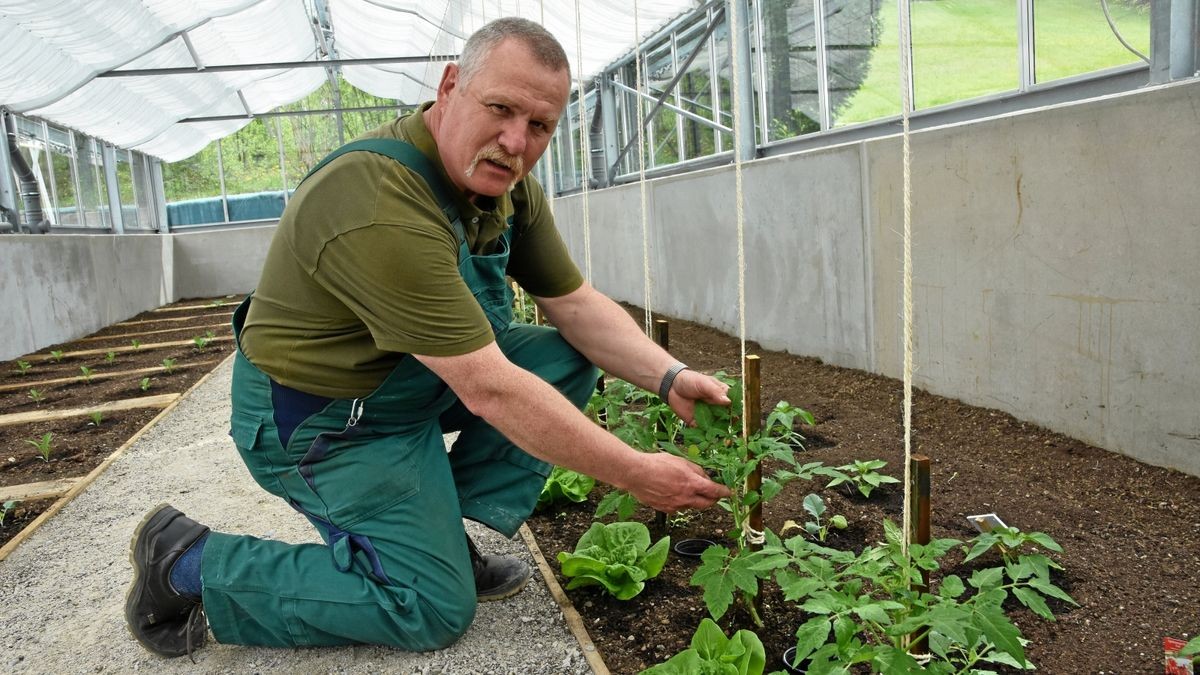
501 595
135 586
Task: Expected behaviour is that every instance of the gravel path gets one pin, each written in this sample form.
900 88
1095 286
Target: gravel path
62 592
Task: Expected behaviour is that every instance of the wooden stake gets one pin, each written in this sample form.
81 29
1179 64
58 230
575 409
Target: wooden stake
662 333
176 318
752 422
919 528
662 336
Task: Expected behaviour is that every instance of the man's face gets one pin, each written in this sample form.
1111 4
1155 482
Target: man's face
495 126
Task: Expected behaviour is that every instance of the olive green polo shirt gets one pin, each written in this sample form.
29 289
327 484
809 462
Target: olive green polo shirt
363 269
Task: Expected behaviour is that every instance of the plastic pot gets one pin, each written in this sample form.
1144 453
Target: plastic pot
692 548
790 665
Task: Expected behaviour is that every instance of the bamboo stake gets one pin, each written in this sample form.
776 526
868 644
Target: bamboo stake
175 318
102 376
159 401
130 348
97 338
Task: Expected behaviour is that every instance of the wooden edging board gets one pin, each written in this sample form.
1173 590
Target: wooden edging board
211 305
159 401
570 614
130 348
172 318
97 338
103 376
31 492
101 468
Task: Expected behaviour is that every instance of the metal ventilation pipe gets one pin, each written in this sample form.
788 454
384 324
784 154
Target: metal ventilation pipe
31 194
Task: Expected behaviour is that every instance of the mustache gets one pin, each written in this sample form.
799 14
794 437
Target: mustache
496 154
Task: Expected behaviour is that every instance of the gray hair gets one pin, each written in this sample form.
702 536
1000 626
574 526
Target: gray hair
544 46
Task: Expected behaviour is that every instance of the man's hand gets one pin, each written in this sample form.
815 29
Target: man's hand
669 484
689 387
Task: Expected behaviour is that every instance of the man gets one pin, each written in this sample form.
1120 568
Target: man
382 320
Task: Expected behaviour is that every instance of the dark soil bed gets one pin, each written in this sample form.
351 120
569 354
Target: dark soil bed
77 444
1131 532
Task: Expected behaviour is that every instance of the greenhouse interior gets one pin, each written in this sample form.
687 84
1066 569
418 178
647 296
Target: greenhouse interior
947 247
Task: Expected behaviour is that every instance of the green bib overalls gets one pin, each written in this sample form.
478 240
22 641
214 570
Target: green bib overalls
372 474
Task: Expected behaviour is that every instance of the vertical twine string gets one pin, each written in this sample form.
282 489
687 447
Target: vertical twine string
739 201
551 188
584 149
906 108
641 141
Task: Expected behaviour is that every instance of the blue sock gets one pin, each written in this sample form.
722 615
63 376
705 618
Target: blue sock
185 573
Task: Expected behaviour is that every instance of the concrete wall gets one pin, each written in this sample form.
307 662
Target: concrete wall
209 263
1054 254
55 288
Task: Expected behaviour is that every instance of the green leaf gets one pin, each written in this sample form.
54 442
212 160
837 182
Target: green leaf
1040 565
795 586
983 543
812 634
686 662
873 612
1001 631
952 587
709 641
1191 648
1047 588
1045 541
718 587
893 661
814 505
987 579
1033 601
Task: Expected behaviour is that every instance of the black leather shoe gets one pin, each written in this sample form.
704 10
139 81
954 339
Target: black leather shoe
497 576
163 620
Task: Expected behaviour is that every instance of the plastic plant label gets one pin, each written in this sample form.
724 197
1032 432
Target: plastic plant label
986 522
1172 662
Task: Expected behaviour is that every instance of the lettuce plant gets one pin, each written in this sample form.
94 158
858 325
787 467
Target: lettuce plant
712 652
87 373
565 485
168 365
110 357
57 355
144 384
23 367
617 556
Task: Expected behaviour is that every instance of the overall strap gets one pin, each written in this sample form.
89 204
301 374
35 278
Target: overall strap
411 157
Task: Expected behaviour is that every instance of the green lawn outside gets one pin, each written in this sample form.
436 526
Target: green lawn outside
968 48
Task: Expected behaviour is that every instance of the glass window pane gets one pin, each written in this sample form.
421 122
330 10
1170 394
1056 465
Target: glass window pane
862 41
306 141
62 157
1072 37
662 135
129 214
695 93
963 50
250 158
93 193
143 191
197 177
724 102
790 56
